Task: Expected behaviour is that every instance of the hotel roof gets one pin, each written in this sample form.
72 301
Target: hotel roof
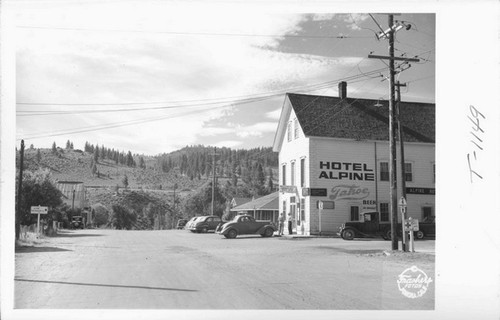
355 118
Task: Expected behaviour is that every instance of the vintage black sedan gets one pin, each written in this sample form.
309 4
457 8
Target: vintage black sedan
204 224
245 224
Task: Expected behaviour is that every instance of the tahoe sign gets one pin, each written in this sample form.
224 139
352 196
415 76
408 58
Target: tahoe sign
349 192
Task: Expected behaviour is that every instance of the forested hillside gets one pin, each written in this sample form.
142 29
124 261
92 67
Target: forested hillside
188 172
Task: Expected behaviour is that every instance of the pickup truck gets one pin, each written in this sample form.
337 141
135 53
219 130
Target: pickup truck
246 224
371 226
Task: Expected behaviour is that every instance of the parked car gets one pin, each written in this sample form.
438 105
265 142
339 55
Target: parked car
190 222
370 226
77 222
245 224
205 223
181 223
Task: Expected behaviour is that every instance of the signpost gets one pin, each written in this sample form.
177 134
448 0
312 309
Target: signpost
39 210
320 206
411 225
402 207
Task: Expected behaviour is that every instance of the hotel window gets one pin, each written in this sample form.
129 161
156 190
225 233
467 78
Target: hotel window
384 211
283 175
384 171
427 213
292 172
289 129
295 128
302 172
408 172
354 213
302 209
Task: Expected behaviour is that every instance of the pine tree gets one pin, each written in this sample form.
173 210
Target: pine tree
68 144
96 154
38 156
54 147
94 168
125 181
259 180
270 183
130 160
142 164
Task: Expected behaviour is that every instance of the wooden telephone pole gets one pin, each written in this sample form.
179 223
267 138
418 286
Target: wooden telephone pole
393 208
402 161
19 191
213 181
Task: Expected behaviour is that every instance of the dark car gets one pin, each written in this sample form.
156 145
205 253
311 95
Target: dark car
77 222
181 223
371 226
245 224
205 223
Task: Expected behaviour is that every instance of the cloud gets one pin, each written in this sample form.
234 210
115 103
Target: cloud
353 20
256 130
151 53
274 115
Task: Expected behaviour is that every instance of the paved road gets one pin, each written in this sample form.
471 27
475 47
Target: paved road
177 269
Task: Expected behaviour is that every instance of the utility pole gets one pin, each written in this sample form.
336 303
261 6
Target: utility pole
402 160
392 140
19 190
213 182
393 208
174 215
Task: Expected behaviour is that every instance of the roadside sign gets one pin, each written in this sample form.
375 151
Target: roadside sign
411 225
402 202
39 210
320 204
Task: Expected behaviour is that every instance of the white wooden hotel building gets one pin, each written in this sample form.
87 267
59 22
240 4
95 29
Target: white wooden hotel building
336 149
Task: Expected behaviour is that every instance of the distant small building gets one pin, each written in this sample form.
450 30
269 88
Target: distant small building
74 193
263 208
75 196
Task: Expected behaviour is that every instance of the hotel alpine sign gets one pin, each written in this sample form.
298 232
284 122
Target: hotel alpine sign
346 171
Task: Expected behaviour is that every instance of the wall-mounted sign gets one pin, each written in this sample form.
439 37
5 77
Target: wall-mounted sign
369 205
414 190
325 204
346 171
349 192
318 192
314 192
288 189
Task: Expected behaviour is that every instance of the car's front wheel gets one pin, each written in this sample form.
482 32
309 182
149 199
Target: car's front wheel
348 234
268 232
419 235
231 234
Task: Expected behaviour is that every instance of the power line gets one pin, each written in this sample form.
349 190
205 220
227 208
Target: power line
191 33
255 98
141 121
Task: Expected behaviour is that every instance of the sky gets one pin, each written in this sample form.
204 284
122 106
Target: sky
153 77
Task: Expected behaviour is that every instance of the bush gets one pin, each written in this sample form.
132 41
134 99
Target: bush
122 218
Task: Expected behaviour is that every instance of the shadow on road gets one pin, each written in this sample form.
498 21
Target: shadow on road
351 251
69 234
105 285
31 249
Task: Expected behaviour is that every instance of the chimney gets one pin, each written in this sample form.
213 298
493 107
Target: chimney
342 90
